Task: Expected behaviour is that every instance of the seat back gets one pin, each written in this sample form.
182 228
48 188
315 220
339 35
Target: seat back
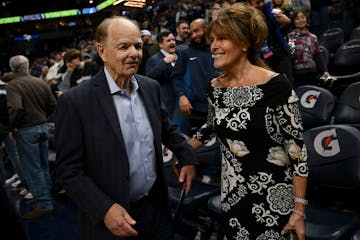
316 105
355 33
334 156
324 54
348 107
332 39
347 58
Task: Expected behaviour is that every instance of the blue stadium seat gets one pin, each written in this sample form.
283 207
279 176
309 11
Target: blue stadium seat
190 211
316 105
332 39
355 33
334 182
348 107
347 58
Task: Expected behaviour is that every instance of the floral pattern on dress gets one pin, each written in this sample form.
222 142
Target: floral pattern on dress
264 216
269 235
242 233
280 198
261 139
259 182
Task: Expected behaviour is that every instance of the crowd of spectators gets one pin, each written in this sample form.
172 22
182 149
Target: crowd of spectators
167 25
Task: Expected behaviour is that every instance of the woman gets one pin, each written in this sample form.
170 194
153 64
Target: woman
284 5
306 59
253 112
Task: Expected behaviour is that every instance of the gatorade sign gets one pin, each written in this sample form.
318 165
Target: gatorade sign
326 143
309 98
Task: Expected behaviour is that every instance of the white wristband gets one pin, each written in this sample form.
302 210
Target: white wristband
301 201
299 213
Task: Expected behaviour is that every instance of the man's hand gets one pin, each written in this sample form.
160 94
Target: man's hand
58 93
170 58
282 19
119 222
185 105
11 136
187 175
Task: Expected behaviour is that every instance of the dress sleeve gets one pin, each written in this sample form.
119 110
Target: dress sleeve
207 131
290 123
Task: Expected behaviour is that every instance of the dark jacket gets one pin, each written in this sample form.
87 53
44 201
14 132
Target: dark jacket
159 70
92 164
29 100
192 74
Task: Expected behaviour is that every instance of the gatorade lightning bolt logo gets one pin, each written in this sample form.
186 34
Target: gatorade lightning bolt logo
326 143
309 98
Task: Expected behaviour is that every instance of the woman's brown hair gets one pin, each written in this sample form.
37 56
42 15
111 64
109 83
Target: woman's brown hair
244 25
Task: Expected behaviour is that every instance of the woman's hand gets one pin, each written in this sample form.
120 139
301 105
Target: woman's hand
295 224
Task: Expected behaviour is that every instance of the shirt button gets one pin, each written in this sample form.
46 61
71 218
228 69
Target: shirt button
148 178
143 139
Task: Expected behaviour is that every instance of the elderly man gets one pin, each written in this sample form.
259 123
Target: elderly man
109 132
30 103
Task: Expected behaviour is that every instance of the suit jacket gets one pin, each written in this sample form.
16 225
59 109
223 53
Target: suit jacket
161 71
92 163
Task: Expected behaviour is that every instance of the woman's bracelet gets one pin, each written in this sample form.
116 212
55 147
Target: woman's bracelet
301 201
299 213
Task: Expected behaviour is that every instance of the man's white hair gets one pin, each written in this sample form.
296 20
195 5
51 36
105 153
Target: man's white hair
19 63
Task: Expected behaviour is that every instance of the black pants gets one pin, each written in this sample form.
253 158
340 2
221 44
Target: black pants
153 221
193 122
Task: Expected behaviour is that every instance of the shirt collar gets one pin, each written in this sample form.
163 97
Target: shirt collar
114 88
167 54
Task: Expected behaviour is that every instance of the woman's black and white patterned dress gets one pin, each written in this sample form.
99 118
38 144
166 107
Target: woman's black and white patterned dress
261 139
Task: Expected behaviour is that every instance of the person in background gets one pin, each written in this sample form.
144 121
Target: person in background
275 50
17 179
182 35
320 16
301 5
160 67
253 112
30 103
285 6
54 74
191 77
78 71
56 71
109 132
306 60
86 57
215 9
149 49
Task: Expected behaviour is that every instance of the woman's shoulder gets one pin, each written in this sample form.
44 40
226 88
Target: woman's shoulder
278 88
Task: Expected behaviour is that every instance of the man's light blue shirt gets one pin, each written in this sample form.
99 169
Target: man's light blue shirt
138 137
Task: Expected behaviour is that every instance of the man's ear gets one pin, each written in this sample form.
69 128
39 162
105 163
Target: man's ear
100 49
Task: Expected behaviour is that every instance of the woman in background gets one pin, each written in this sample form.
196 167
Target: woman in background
306 58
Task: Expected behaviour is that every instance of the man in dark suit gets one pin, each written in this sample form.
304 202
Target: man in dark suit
160 67
109 132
